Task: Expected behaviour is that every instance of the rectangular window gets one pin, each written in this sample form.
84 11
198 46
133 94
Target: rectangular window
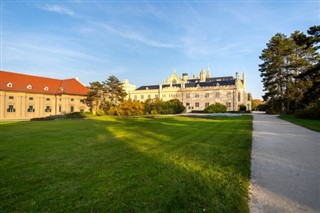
82 101
229 95
197 95
206 95
197 104
163 95
11 97
239 96
206 104
71 108
149 96
71 99
217 94
81 110
60 109
142 97
135 97
156 96
30 98
30 109
48 99
187 104
11 108
48 109
188 95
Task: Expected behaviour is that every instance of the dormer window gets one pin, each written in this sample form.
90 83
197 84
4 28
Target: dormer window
29 86
9 84
46 88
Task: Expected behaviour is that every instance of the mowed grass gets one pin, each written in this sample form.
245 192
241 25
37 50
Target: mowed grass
307 123
107 164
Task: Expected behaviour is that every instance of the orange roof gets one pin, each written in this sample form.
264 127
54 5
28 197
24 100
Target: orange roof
10 81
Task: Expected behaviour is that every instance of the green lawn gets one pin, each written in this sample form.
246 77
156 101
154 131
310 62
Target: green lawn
307 123
107 164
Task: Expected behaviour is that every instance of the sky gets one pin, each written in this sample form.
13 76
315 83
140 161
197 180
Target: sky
144 41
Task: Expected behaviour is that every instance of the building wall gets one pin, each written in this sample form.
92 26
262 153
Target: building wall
43 105
198 98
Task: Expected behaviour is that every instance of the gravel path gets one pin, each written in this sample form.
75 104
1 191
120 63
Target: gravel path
285 167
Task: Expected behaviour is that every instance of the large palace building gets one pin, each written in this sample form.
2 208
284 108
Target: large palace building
196 93
25 96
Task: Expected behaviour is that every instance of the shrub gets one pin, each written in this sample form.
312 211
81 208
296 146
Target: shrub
310 112
75 115
100 112
242 108
49 118
215 108
173 106
156 106
128 108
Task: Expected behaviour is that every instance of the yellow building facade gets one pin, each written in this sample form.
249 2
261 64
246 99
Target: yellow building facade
25 96
196 93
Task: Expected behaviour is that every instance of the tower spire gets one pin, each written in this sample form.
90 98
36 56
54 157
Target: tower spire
208 73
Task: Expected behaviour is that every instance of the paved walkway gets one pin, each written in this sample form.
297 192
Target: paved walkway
285 167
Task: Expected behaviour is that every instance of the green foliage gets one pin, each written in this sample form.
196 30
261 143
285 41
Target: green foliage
255 103
128 108
153 106
100 112
48 118
287 69
310 112
75 115
114 90
102 96
95 96
156 106
79 115
173 106
107 164
215 108
242 108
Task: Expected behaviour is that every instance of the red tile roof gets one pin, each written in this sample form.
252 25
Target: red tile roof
10 81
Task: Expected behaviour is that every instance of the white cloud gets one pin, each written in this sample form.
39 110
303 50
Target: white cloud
60 10
129 34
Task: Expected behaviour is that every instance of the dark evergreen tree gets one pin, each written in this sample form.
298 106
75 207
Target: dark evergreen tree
114 90
95 96
290 70
312 74
274 69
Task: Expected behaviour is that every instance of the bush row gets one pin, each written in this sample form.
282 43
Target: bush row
310 112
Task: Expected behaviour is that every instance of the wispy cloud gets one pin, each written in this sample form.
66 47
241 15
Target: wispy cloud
127 33
59 9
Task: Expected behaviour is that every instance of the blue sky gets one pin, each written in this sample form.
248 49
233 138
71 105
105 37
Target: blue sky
143 41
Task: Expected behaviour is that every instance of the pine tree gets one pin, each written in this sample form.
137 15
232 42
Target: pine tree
114 90
312 74
95 96
290 70
274 70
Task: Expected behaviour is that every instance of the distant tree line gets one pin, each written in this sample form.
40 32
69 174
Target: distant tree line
290 72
